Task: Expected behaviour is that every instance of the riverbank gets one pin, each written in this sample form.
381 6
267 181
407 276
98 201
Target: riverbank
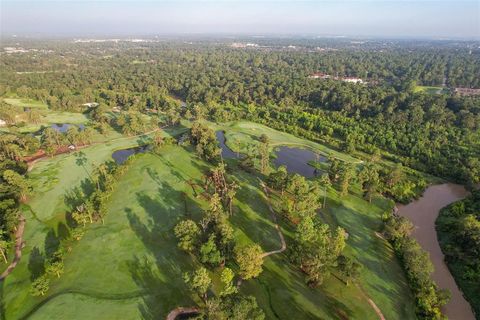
423 213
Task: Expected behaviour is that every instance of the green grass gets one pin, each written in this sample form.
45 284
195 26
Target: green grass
18 102
429 89
131 268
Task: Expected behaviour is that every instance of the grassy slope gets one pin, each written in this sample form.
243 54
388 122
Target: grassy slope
130 266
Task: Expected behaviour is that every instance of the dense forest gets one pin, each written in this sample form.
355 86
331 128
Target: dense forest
458 228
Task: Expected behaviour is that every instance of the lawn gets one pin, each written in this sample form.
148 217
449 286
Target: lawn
30 103
131 268
429 89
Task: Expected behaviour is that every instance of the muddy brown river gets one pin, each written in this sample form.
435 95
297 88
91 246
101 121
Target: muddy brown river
423 213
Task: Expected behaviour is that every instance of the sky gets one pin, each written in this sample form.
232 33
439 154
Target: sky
367 18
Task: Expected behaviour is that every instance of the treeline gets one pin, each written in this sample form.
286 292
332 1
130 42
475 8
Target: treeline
416 262
458 228
14 187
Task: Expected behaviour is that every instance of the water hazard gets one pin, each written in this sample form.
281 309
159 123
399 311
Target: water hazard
227 153
120 156
423 213
63 127
297 160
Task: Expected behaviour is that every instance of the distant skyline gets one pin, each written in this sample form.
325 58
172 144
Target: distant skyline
365 18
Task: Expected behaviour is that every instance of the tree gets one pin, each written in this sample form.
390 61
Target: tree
158 140
346 175
349 269
227 280
250 261
18 182
40 286
278 179
209 252
73 135
55 268
4 245
187 233
316 249
264 155
370 180
198 282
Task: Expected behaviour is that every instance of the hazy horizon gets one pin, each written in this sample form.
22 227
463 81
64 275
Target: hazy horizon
360 18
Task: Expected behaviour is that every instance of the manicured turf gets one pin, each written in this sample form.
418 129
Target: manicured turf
131 268
428 89
17 102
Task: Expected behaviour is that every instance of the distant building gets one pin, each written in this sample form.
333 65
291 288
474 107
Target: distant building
3 123
319 75
467 91
352 79
90 104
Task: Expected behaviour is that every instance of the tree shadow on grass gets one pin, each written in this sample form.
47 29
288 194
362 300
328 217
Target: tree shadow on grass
36 264
52 243
291 280
159 272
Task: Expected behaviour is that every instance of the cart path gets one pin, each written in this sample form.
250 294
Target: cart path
18 248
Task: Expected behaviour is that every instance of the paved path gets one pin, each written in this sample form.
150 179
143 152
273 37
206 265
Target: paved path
274 218
372 304
180 311
18 248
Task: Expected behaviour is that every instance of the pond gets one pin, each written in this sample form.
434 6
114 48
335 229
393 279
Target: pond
227 153
423 213
63 127
296 160
120 156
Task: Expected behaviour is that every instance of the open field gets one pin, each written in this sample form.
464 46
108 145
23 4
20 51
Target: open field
131 268
30 103
429 89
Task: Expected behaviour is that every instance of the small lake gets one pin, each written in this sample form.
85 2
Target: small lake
120 156
423 213
296 160
227 153
63 127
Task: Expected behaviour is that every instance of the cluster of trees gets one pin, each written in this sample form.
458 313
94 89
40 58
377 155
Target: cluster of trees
229 304
416 263
13 115
205 141
316 249
14 187
458 228
375 179
132 123
52 140
212 241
